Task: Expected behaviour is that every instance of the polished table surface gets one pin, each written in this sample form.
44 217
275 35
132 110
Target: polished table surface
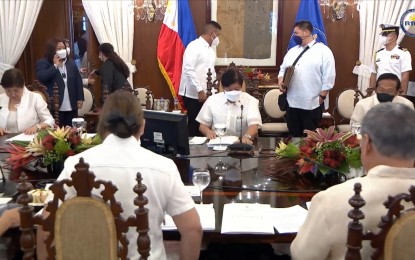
261 178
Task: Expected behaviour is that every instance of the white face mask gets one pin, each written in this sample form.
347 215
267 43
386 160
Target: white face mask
68 50
215 41
383 40
233 95
61 53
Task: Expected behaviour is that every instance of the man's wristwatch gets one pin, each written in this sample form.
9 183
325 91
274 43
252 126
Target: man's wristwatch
38 126
323 97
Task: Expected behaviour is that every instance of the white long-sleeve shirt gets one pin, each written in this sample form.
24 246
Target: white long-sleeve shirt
31 111
198 58
314 72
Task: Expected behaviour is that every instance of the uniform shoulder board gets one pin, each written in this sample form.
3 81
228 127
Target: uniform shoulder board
380 50
404 49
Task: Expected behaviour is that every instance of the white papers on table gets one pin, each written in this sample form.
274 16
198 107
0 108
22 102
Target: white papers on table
287 220
246 218
5 200
20 137
226 140
192 190
206 214
198 140
29 138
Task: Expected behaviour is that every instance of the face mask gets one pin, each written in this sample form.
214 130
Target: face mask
384 97
215 41
61 53
233 95
68 50
383 40
297 39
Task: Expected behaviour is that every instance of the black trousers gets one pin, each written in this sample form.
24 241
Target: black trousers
65 117
299 119
193 107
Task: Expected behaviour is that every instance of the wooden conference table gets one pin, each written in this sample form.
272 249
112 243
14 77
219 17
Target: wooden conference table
261 178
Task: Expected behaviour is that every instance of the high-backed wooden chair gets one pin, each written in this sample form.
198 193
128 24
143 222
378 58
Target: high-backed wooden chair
145 96
395 239
88 102
37 87
53 102
345 103
84 226
273 123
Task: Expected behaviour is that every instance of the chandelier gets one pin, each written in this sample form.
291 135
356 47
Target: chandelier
149 10
336 9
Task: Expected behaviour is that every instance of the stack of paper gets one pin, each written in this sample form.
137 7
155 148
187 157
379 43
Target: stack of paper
20 137
246 218
287 220
4 200
206 214
226 140
198 140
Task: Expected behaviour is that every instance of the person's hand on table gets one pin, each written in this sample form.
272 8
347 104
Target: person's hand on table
80 103
31 130
246 140
2 131
211 134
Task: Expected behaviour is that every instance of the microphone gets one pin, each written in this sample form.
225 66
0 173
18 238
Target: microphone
240 133
241 149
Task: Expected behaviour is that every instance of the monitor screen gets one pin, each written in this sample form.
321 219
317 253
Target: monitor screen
165 133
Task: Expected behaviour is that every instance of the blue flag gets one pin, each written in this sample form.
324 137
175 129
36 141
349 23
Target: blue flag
309 10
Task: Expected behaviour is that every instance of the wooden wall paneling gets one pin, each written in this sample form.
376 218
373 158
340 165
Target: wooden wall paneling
145 51
343 40
54 20
409 43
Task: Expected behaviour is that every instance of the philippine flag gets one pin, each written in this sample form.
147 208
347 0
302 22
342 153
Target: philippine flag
177 31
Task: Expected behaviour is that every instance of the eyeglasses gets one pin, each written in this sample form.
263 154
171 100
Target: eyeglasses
63 75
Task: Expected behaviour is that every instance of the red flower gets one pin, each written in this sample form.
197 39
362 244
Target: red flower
75 139
70 153
352 141
48 142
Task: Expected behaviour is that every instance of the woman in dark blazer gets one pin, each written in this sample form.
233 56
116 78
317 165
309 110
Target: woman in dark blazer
56 67
114 72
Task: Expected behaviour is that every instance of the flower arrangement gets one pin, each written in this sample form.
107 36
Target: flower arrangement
51 145
253 73
324 151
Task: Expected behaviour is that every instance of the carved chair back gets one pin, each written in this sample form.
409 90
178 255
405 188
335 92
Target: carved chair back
84 226
145 96
53 102
394 240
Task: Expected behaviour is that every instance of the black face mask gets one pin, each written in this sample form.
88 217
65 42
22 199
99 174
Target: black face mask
384 97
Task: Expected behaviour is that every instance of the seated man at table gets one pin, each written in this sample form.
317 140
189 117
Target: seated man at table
226 108
388 158
119 158
387 89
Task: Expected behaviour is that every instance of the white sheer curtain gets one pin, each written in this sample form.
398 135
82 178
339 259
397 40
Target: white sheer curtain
372 14
113 22
17 19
